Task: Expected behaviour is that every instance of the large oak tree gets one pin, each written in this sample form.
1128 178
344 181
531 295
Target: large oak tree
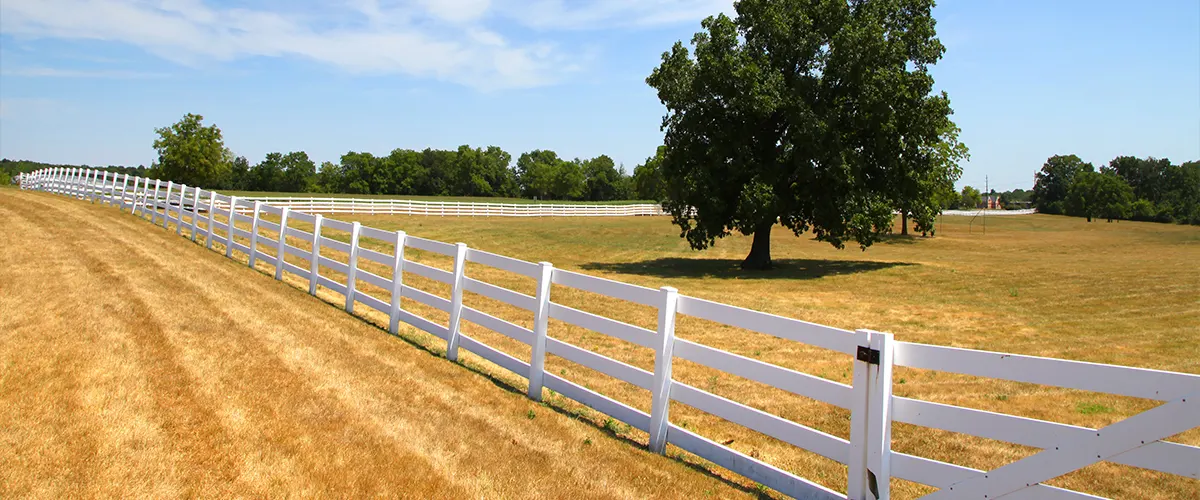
816 114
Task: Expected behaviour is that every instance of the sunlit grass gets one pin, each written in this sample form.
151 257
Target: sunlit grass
1123 293
134 363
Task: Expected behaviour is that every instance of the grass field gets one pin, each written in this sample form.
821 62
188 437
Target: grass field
136 364
1123 293
472 199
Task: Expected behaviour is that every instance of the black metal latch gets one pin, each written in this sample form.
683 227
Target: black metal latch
870 356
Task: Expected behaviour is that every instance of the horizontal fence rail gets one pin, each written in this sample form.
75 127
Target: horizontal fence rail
1138 441
383 206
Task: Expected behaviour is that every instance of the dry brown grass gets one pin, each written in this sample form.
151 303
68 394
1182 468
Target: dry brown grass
136 364
1123 293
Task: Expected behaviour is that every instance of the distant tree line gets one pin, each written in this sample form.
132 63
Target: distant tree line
194 154
1149 189
10 169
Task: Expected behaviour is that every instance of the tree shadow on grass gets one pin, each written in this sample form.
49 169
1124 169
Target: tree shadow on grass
793 269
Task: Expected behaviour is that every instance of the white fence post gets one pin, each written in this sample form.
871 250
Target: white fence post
314 263
456 294
537 358
664 350
212 205
871 418
108 191
166 213
254 233
124 187
352 267
195 211
179 211
151 200
397 283
89 181
229 230
283 220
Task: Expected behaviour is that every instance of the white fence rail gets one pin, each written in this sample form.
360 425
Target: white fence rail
383 206
1136 441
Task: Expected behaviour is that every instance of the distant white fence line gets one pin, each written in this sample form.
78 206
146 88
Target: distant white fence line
1135 441
386 206
990 213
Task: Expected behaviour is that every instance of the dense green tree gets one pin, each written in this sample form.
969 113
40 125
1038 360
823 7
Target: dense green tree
647 178
360 173
1008 198
543 175
1095 194
192 154
299 173
403 173
1182 199
329 178
816 114
439 165
970 198
923 200
1050 186
602 180
267 175
239 175
1147 177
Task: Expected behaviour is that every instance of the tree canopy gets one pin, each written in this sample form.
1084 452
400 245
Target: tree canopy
816 114
192 154
1052 183
1096 194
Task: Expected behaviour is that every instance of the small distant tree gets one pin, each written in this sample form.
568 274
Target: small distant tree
970 198
602 180
299 173
192 154
1094 194
239 174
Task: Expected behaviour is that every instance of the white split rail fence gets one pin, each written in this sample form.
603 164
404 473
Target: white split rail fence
386 206
1136 441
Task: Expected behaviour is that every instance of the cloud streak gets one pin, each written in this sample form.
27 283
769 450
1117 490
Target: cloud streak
444 40
192 33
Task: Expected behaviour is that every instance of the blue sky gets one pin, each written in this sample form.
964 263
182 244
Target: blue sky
87 81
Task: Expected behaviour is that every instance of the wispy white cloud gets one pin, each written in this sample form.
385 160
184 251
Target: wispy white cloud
445 44
43 72
606 14
445 40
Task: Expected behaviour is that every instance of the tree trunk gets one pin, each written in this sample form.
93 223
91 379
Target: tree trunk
760 251
903 223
